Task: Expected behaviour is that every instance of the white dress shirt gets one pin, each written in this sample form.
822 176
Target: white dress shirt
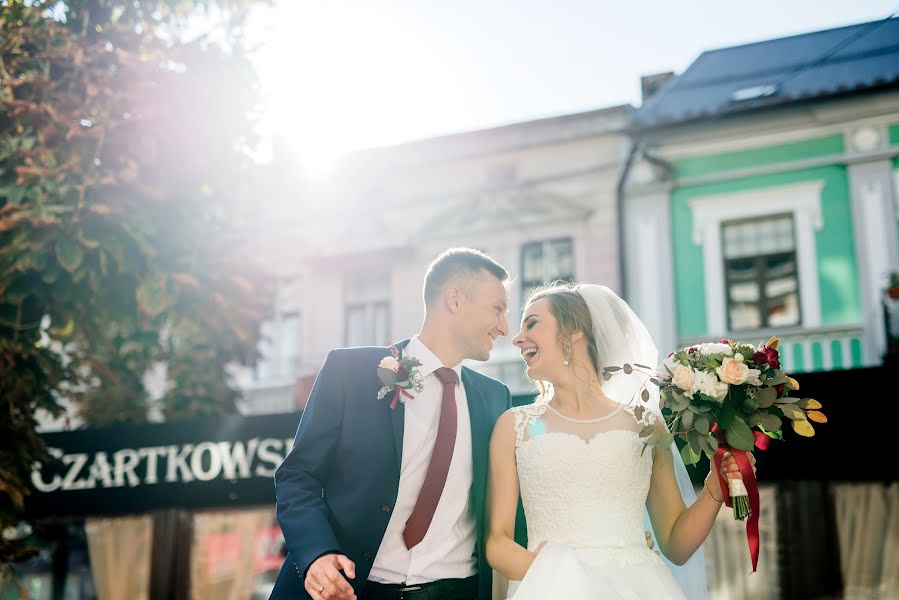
447 550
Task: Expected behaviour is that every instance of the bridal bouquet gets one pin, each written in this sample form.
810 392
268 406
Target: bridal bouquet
726 397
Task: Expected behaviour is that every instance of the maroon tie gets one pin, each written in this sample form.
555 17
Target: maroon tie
435 479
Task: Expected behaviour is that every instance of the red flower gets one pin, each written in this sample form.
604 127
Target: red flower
723 341
780 390
767 356
692 350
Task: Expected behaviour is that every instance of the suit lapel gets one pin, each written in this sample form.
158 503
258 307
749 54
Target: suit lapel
480 437
398 418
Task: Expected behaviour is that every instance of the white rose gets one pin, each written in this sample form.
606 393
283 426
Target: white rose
732 371
752 378
708 384
666 369
388 362
716 348
683 377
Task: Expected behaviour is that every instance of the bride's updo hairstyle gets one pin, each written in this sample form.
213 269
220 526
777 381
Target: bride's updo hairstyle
572 314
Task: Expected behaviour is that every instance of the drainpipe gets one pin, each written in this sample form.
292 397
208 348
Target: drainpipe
637 147
619 210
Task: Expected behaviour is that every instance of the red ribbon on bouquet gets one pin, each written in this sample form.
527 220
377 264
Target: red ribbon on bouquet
752 522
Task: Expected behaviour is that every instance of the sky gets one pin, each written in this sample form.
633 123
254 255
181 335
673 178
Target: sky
351 74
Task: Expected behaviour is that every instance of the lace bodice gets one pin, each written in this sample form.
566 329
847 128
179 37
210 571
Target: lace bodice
584 483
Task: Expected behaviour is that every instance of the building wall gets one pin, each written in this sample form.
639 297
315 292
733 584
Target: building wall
390 212
841 157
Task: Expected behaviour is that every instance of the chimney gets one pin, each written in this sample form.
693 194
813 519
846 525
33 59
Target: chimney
650 84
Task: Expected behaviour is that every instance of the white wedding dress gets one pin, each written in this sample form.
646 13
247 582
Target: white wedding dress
584 486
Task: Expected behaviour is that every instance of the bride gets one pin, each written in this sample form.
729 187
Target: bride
578 462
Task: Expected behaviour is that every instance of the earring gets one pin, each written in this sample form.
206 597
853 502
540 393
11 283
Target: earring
565 362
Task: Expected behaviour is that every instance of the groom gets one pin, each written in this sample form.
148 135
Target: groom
387 501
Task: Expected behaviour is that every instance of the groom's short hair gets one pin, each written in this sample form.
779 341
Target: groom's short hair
458 262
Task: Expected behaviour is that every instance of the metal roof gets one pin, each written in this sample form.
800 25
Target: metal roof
815 65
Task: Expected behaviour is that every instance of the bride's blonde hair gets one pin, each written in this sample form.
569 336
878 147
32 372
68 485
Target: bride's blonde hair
570 310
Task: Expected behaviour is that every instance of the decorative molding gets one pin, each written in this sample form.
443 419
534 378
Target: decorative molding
866 138
802 200
794 165
500 209
759 131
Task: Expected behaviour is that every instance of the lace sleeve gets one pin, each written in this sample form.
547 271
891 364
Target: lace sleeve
524 417
646 416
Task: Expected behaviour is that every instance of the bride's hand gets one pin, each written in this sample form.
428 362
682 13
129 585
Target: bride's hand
731 470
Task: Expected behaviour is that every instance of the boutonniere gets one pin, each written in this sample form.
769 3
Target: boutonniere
398 375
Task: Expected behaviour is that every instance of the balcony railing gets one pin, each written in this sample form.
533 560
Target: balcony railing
804 350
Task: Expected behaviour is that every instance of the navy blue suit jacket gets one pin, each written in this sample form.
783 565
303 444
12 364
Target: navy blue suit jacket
338 485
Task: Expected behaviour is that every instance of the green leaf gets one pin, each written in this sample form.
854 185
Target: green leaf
771 422
778 378
766 397
69 254
647 431
131 347
645 395
693 441
739 435
638 412
788 400
726 416
153 296
679 402
667 439
387 376
628 369
750 405
705 446
687 419
793 413
688 455
702 424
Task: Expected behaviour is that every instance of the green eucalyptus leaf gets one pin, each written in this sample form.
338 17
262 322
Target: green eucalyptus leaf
771 422
387 376
766 397
702 424
689 456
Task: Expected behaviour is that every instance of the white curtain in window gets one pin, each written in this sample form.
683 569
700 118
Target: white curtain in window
727 555
868 531
120 550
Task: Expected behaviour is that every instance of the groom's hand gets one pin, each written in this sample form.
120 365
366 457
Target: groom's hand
324 580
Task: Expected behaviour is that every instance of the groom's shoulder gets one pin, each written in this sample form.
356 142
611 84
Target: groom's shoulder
357 354
487 383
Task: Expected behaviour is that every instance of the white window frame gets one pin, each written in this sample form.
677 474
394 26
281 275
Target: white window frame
802 200
368 300
544 244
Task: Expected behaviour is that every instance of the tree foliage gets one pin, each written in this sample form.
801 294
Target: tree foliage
125 212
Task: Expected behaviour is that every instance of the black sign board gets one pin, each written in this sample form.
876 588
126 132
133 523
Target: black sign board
196 463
